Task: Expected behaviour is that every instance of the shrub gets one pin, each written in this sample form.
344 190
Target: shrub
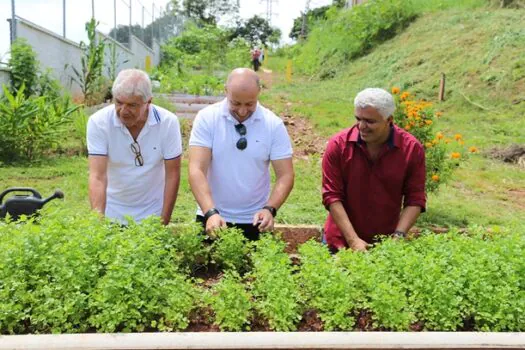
24 67
31 126
442 153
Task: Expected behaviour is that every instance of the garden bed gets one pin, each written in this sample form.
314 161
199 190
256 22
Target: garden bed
77 274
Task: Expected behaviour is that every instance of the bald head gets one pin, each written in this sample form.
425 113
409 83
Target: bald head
242 92
242 79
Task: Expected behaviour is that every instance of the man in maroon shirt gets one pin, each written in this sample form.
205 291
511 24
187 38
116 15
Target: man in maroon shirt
372 172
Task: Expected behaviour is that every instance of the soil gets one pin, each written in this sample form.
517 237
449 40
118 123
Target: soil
514 154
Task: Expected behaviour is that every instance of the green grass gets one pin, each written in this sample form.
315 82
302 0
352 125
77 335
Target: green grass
70 174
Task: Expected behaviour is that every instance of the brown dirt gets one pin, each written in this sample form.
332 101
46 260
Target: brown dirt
311 322
305 140
295 235
514 154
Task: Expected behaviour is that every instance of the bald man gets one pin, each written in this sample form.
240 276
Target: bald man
232 144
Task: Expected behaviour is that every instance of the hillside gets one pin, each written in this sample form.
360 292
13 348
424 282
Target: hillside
482 54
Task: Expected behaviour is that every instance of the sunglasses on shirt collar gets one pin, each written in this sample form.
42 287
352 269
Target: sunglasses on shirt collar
242 143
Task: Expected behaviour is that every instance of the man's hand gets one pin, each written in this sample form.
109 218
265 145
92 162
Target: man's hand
265 220
358 244
213 223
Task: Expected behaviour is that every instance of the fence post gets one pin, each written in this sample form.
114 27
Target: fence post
442 88
289 71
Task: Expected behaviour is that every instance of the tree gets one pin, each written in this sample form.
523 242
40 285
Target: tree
311 16
339 3
208 11
164 27
256 31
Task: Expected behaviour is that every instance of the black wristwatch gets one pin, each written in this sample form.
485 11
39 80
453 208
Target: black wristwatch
210 213
399 234
272 210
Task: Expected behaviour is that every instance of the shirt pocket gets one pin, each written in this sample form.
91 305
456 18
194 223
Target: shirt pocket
260 150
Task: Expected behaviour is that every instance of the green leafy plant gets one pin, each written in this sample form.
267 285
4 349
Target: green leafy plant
90 74
31 126
230 250
231 303
274 287
24 67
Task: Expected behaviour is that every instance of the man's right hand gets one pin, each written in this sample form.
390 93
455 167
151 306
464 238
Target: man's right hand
213 223
358 244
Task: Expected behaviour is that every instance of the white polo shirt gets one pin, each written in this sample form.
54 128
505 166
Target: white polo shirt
240 180
137 191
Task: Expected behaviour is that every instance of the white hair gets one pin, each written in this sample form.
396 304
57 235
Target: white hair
132 82
379 99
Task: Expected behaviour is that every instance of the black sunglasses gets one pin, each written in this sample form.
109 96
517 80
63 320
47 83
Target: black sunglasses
242 143
135 148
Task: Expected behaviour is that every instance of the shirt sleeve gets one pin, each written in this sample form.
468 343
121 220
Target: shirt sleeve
332 180
281 147
172 142
97 143
201 134
414 186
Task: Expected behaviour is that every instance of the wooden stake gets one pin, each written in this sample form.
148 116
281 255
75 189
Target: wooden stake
442 88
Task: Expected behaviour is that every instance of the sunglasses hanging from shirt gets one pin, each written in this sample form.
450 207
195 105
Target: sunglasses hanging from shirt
135 148
242 143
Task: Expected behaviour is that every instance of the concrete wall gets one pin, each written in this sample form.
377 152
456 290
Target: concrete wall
53 51
123 57
4 78
143 55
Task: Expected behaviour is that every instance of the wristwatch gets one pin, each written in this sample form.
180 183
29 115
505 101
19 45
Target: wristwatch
272 210
210 213
399 234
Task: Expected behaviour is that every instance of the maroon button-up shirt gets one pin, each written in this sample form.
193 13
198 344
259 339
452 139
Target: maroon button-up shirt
372 191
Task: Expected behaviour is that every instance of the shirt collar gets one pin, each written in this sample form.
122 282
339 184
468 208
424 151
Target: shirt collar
153 116
225 112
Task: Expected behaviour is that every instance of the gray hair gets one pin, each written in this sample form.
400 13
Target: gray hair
132 82
379 99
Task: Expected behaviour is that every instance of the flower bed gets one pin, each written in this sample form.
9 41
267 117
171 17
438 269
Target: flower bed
78 274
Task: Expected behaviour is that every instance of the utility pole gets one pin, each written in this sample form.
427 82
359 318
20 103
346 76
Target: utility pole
305 14
152 20
115 19
93 9
64 18
269 10
143 31
130 22
13 22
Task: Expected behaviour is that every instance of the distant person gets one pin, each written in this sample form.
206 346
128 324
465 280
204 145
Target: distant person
256 54
261 57
232 144
134 151
373 176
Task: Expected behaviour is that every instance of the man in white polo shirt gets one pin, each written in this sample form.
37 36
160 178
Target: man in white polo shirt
232 144
134 153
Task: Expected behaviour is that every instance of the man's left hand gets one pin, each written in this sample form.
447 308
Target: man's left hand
265 220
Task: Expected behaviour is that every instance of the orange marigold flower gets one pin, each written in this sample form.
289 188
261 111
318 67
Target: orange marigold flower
461 142
473 149
438 114
458 137
455 155
405 95
428 144
439 135
435 178
447 140
407 127
428 122
435 142
395 90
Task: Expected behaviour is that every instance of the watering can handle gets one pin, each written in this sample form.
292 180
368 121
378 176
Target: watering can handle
19 189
